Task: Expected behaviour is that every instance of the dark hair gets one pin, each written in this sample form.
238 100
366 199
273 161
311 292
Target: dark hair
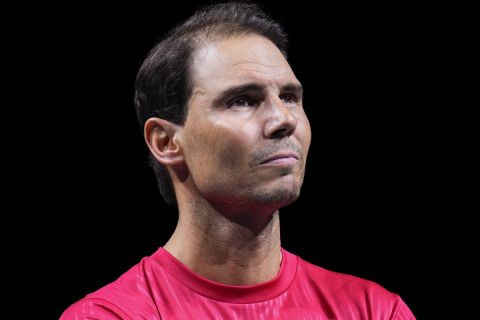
163 85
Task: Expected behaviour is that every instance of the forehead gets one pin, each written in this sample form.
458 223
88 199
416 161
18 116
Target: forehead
237 60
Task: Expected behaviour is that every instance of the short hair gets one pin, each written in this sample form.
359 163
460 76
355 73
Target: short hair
163 85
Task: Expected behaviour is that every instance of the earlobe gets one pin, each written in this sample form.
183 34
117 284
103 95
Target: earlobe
160 136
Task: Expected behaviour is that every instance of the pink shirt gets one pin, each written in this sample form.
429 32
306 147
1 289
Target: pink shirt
161 287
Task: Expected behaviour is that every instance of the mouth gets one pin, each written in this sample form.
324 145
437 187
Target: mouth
282 158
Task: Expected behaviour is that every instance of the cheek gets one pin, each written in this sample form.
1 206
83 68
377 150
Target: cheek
304 133
228 155
218 147
231 149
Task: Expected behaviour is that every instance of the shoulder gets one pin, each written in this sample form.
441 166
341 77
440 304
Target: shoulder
340 282
348 293
93 308
127 297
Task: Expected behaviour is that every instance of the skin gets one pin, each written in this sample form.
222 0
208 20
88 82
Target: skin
237 159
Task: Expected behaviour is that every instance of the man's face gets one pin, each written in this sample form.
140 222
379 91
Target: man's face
246 136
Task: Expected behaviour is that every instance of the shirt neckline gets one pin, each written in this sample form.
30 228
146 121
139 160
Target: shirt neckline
228 293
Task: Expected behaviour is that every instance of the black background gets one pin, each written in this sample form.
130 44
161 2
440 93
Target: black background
372 191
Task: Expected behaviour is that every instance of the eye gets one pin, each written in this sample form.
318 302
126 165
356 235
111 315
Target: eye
289 98
242 101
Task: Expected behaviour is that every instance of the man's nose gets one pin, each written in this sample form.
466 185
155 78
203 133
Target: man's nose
281 122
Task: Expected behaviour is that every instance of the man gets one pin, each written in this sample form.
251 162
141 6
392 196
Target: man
223 118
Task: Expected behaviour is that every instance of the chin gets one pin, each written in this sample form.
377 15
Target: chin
286 198
278 197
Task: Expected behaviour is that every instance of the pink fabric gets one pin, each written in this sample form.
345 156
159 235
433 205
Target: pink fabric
161 287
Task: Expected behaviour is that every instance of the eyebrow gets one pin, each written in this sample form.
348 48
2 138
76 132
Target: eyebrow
293 88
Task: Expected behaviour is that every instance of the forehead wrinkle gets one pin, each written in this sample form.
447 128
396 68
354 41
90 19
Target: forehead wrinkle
264 77
256 66
255 63
263 71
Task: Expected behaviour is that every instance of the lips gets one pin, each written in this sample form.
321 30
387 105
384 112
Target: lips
282 156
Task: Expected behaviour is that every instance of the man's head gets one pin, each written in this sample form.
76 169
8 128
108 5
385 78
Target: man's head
230 106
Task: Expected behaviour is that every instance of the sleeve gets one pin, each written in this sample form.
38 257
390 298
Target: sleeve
93 309
401 311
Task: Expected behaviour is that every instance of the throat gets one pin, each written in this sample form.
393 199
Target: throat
223 250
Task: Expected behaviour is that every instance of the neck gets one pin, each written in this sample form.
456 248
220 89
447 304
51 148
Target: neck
236 249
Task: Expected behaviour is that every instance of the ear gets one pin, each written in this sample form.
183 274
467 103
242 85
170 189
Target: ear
161 138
